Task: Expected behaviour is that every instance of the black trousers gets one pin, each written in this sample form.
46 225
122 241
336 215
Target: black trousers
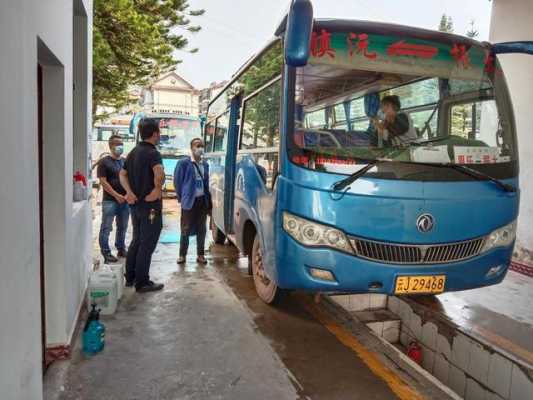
147 222
193 222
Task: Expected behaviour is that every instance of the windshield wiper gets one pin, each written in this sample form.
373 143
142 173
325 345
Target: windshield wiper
343 183
474 173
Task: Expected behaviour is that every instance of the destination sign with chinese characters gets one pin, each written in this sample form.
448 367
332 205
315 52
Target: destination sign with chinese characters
401 55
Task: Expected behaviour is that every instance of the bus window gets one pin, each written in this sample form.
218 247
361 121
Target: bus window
420 118
417 94
209 133
340 115
475 121
316 119
261 130
357 114
221 132
261 119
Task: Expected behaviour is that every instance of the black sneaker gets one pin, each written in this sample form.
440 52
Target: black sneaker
129 283
150 287
110 259
122 253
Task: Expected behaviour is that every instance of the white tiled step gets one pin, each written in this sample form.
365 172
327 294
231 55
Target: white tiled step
382 322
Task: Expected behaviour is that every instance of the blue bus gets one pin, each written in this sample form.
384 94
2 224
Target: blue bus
307 186
177 131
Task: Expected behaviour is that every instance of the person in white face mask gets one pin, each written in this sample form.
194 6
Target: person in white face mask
191 181
114 205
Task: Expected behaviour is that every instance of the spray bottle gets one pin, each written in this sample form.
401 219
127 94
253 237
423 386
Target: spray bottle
93 333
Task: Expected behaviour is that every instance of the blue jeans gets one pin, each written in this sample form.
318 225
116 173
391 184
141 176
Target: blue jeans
110 210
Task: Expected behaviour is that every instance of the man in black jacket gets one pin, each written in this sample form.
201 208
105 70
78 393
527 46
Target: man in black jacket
142 177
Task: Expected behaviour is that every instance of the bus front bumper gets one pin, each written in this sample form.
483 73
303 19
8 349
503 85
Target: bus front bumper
353 274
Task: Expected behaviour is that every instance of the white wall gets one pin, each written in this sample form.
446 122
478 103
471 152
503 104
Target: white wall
511 21
29 30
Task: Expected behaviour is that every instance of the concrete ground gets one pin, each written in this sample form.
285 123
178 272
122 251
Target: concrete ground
207 336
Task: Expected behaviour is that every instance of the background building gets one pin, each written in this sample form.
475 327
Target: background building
170 94
511 21
207 94
45 237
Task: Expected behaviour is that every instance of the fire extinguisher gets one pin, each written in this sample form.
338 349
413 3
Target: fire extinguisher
414 352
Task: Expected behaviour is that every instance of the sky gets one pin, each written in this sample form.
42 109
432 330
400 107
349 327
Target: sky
233 30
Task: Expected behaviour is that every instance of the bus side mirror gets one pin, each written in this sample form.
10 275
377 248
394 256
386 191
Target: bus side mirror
298 33
525 47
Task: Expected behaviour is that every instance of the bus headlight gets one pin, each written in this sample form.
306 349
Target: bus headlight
501 237
310 233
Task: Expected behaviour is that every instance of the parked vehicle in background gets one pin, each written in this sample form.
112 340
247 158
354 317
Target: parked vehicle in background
302 183
177 131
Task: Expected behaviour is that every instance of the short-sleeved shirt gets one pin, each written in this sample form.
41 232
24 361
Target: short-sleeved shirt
109 168
199 179
139 165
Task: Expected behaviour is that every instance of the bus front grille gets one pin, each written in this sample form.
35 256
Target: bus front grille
393 253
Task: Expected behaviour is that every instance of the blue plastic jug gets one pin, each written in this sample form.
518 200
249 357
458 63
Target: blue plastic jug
93 333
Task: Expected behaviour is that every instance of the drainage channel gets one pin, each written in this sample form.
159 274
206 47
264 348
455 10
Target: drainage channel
463 364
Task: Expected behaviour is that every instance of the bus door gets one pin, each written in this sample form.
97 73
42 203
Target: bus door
231 157
221 143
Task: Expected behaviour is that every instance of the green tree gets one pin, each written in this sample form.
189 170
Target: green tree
446 24
472 32
133 42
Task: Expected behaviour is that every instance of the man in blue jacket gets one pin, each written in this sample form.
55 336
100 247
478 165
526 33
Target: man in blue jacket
191 180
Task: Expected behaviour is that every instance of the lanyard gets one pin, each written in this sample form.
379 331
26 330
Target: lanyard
198 169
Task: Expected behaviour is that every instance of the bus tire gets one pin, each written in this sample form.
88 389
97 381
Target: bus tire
218 235
266 289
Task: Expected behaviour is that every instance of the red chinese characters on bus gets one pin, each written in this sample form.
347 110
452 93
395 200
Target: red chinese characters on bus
459 52
402 48
321 44
358 43
490 65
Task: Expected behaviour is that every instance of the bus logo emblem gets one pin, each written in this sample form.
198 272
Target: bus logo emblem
425 223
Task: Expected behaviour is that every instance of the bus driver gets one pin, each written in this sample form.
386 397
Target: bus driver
396 128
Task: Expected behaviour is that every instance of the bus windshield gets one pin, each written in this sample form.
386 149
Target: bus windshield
176 134
365 97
